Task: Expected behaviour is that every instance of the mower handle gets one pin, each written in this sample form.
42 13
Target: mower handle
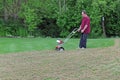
75 30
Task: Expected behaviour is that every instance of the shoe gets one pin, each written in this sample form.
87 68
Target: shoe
82 48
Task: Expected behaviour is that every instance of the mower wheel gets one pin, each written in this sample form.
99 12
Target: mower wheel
61 49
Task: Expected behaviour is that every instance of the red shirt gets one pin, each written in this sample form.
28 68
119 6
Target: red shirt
85 21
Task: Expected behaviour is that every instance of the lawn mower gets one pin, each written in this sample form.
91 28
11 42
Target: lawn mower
60 43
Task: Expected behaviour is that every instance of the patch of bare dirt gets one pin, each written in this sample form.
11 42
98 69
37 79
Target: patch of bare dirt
87 64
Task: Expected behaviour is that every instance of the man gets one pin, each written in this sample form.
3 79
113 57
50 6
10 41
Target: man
85 29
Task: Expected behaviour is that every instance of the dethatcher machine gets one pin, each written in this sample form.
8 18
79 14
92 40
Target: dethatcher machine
60 43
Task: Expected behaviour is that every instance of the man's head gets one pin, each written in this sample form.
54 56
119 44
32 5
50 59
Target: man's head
84 14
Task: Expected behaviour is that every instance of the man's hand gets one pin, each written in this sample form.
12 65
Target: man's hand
82 31
78 30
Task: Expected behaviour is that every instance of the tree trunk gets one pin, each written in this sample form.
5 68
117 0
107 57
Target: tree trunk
65 6
17 3
60 7
25 1
5 11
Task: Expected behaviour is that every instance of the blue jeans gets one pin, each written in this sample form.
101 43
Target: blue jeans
83 40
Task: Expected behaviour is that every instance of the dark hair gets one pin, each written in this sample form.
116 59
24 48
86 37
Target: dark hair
84 11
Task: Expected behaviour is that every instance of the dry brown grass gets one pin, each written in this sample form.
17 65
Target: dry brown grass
88 64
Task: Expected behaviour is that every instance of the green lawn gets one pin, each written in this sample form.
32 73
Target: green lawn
9 45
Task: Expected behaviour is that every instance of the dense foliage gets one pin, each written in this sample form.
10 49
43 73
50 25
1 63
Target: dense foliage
56 18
